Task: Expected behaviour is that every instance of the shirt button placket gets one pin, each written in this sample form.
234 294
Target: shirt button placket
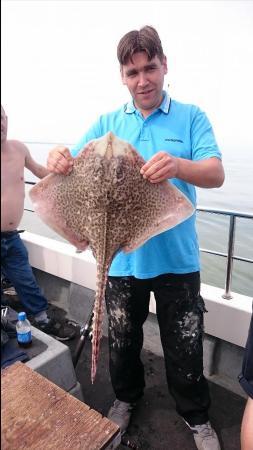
145 133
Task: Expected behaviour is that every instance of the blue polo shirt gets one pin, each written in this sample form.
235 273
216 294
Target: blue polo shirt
183 131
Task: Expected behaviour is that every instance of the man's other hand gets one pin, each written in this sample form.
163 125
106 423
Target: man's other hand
160 167
60 160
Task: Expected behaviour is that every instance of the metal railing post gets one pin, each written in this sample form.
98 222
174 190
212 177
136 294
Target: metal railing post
231 240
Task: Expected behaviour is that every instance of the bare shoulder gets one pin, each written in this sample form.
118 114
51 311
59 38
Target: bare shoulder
15 145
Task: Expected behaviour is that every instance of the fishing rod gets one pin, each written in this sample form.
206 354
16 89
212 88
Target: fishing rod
85 332
127 443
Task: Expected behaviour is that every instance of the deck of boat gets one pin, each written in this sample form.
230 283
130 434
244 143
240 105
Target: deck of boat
155 424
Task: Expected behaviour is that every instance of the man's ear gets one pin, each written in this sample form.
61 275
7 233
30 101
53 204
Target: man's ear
122 75
164 63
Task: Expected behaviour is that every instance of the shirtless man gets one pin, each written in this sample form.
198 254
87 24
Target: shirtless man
15 156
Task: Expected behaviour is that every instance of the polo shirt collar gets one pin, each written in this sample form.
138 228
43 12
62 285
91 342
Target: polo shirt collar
164 106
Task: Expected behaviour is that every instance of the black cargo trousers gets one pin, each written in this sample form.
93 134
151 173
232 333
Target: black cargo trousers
179 309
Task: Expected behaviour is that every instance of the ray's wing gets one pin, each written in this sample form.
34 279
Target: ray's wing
61 202
163 207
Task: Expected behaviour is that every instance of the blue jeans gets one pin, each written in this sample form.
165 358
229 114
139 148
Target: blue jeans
15 266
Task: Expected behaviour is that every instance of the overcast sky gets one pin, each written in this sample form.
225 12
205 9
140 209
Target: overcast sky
60 71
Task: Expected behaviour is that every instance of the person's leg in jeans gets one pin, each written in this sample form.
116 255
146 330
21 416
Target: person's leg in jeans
15 264
127 302
180 311
16 267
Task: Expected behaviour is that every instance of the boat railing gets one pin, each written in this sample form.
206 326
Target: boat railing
233 216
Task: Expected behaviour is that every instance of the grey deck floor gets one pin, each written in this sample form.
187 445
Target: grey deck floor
155 424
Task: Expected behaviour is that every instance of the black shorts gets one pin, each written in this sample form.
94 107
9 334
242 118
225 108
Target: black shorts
246 377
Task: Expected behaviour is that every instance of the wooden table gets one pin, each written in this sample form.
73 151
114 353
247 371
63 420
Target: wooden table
38 415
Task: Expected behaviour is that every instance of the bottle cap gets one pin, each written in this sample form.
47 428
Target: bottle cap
22 316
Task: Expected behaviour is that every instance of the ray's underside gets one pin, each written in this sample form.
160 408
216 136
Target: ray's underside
107 204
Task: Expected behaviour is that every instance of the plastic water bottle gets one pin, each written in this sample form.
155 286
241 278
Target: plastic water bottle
23 328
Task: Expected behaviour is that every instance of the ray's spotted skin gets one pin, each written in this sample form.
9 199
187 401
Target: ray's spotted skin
107 204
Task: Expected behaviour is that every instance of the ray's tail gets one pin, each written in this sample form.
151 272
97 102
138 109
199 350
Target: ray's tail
98 312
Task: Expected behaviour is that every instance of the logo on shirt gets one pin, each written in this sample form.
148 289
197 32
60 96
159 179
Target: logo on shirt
174 140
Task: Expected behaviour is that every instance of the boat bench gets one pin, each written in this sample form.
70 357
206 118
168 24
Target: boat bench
39 415
54 362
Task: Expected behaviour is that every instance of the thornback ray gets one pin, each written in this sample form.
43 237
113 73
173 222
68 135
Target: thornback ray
106 204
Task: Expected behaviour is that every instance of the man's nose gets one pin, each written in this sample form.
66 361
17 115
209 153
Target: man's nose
142 81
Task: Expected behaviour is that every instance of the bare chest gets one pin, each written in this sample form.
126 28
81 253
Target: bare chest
12 169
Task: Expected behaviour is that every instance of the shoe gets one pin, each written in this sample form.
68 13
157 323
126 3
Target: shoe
120 413
59 330
9 291
7 287
205 437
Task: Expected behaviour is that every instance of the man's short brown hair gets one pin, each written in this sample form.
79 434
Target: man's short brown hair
144 40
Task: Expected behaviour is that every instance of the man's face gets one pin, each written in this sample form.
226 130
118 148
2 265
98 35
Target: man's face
144 80
4 122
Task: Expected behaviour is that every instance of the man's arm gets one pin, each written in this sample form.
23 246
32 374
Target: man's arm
204 169
37 169
206 173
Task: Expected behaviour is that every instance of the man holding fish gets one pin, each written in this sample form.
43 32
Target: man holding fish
177 142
